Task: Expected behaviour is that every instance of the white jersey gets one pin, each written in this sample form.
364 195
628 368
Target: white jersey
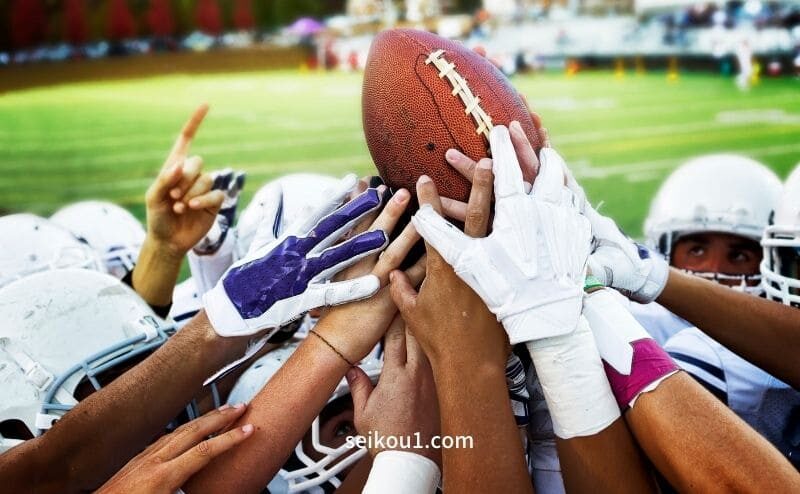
660 323
769 405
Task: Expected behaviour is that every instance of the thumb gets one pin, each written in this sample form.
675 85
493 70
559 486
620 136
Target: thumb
360 388
403 293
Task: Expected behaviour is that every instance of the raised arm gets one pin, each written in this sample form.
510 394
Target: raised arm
181 208
85 447
468 350
595 447
285 408
759 330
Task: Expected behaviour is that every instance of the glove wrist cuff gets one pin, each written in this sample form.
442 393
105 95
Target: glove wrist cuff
222 314
655 282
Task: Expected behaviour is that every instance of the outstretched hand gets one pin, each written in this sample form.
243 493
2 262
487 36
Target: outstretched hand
168 463
448 318
181 207
404 403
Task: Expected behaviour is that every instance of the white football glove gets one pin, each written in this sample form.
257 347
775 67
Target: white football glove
278 281
530 270
619 262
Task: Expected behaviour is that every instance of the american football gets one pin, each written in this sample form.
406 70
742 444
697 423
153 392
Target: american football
399 246
423 95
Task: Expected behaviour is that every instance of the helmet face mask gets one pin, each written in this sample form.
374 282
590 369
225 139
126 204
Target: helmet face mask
322 457
113 232
714 194
65 333
781 243
780 267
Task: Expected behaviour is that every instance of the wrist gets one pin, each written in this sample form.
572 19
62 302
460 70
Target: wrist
574 383
163 249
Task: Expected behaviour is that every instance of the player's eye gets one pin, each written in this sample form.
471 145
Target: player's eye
697 250
345 429
740 256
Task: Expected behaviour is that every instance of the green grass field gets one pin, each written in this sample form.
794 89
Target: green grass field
622 136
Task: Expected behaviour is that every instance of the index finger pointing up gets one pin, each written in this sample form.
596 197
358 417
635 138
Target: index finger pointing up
184 140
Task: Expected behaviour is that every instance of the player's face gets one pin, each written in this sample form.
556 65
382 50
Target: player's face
719 253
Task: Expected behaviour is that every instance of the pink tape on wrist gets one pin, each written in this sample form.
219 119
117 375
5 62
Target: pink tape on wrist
650 363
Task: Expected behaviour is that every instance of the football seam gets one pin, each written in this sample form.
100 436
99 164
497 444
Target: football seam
433 98
463 92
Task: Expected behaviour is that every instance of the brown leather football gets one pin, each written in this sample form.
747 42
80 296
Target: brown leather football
423 95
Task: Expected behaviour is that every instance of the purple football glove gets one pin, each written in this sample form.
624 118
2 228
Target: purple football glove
281 280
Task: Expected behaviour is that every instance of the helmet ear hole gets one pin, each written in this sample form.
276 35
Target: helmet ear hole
15 429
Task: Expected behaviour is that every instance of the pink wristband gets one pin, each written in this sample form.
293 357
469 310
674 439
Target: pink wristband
650 363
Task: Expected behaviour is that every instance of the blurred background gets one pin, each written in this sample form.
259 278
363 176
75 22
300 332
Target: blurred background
93 92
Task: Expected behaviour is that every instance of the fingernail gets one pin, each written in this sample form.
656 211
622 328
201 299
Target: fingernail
452 155
527 186
485 164
401 196
391 276
175 193
194 203
424 179
381 189
248 428
224 407
238 406
515 126
351 374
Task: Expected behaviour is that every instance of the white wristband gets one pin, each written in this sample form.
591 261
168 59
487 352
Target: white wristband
574 383
402 472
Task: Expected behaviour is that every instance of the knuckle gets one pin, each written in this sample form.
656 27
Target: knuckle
203 448
483 178
475 216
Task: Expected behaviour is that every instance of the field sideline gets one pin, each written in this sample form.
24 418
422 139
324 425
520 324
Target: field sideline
620 135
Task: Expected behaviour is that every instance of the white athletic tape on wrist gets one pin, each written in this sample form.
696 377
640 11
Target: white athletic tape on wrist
402 472
574 383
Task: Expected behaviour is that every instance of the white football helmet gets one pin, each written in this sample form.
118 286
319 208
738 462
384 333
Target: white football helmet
780 267
186 302
279 203
64 334
719 193
302 473
109 229
29 244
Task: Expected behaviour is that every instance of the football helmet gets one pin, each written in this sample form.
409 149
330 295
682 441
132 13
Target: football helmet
302 472
719 193
66 333
279 203
111 230
186 302
29 244
780 267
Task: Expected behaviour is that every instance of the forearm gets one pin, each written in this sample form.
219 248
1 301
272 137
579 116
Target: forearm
759 330
109 427
595 447
608 461
473 402
699 445
357 478
156 272
281 413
